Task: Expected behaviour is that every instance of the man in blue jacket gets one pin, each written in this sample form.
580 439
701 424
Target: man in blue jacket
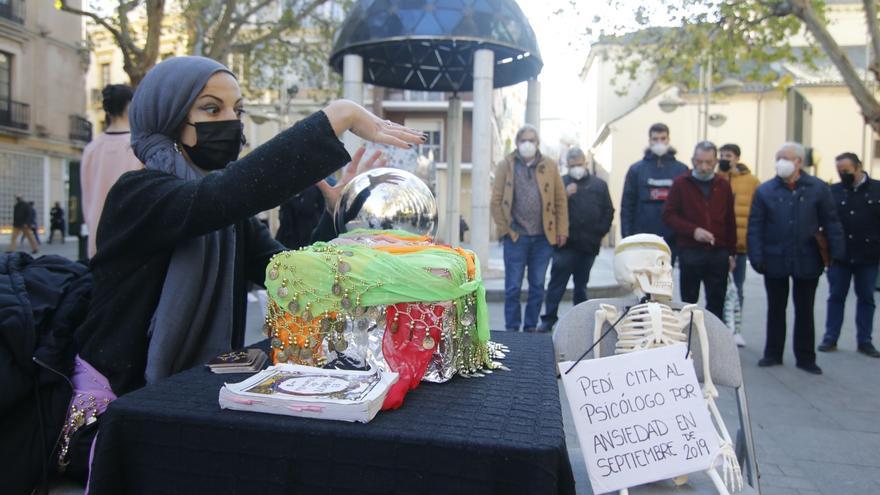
784 242
857 198
647 186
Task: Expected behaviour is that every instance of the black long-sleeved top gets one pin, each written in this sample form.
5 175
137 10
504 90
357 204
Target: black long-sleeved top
858 209
590 213
148 213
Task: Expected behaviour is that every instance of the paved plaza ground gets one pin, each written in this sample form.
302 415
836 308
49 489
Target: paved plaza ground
814 434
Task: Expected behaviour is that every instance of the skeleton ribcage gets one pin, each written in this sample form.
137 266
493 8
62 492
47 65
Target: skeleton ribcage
647 326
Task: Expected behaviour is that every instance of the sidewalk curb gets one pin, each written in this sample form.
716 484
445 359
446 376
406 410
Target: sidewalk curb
599 291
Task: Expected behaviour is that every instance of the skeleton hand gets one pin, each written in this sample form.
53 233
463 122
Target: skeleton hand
730 470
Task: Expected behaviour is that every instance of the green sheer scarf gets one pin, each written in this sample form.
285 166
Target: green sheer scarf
346 278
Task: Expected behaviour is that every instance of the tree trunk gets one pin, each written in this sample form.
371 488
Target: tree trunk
869 106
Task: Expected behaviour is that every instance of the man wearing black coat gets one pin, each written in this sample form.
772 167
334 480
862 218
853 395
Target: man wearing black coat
589 218
21 225
857 198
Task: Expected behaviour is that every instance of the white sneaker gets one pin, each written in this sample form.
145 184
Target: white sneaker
740 341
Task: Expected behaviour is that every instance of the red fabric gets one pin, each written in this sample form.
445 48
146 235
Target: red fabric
404 350
688 208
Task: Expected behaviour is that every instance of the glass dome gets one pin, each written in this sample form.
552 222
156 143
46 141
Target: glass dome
428 45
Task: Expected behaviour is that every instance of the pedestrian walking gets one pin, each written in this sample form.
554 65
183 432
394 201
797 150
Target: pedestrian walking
21 226
56 222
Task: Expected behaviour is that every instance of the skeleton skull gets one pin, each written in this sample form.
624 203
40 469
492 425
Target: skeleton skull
643 262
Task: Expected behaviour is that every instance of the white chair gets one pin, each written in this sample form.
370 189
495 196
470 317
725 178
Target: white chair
574 335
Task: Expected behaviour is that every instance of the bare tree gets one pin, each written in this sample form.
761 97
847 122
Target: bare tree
272 36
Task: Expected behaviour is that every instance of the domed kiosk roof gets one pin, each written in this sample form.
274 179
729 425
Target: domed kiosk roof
428 45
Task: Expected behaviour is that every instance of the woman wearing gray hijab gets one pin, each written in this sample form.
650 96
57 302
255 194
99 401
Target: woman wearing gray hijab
177 241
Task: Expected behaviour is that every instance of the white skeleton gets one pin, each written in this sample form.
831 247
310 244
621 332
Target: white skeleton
642 262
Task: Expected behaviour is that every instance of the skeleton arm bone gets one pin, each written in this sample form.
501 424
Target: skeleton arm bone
605 313
692 311
729 465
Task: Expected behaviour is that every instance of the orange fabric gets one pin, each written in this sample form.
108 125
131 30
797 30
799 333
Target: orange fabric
295 332
469 258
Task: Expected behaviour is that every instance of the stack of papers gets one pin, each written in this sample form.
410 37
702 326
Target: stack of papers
305 391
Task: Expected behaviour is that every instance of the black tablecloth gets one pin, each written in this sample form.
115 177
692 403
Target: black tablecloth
498 434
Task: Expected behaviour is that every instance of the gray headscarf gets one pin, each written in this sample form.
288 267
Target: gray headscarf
193 320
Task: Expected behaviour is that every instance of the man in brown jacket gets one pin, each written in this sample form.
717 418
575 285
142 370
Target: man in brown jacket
530 209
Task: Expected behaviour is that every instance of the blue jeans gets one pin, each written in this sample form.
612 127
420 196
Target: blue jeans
864 277
532 251
567 263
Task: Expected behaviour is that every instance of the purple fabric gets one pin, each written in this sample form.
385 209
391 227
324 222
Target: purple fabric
88 382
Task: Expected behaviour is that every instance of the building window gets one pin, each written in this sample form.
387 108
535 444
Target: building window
20 175
434 130
5 79
105 75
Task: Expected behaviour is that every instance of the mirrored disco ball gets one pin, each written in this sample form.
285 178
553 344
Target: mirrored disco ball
386 198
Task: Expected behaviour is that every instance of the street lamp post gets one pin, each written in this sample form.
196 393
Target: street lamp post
727 87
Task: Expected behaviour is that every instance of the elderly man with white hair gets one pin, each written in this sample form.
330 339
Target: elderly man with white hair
793 234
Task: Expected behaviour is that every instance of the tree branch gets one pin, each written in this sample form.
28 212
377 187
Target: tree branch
280 27
122 16
869 106
874 30
222 37
155 15
123 41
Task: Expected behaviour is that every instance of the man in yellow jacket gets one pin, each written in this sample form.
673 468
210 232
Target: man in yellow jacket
744 184
530 210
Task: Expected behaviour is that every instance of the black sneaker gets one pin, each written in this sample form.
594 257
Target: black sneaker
767 362
811 368
827 347
869 350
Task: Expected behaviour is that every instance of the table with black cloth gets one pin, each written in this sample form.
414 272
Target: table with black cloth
498 434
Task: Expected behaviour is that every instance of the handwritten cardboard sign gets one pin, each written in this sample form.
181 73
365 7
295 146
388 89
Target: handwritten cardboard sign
640 417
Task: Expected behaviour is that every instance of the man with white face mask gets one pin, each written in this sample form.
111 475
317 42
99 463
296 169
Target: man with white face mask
589 218
784 243
647 185
530 210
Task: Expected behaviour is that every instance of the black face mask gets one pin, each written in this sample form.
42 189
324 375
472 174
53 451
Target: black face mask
724 165
847 179
217 143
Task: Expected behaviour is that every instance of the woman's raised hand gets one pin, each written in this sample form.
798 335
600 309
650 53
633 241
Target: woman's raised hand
345 115
354 167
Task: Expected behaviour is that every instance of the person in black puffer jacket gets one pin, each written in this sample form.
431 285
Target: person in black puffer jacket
589 219
42 301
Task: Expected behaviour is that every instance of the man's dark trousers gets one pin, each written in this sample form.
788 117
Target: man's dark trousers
709 267
803 295
567 263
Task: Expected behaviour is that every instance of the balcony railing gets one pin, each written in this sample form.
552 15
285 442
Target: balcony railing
13 10
14 114
80 129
